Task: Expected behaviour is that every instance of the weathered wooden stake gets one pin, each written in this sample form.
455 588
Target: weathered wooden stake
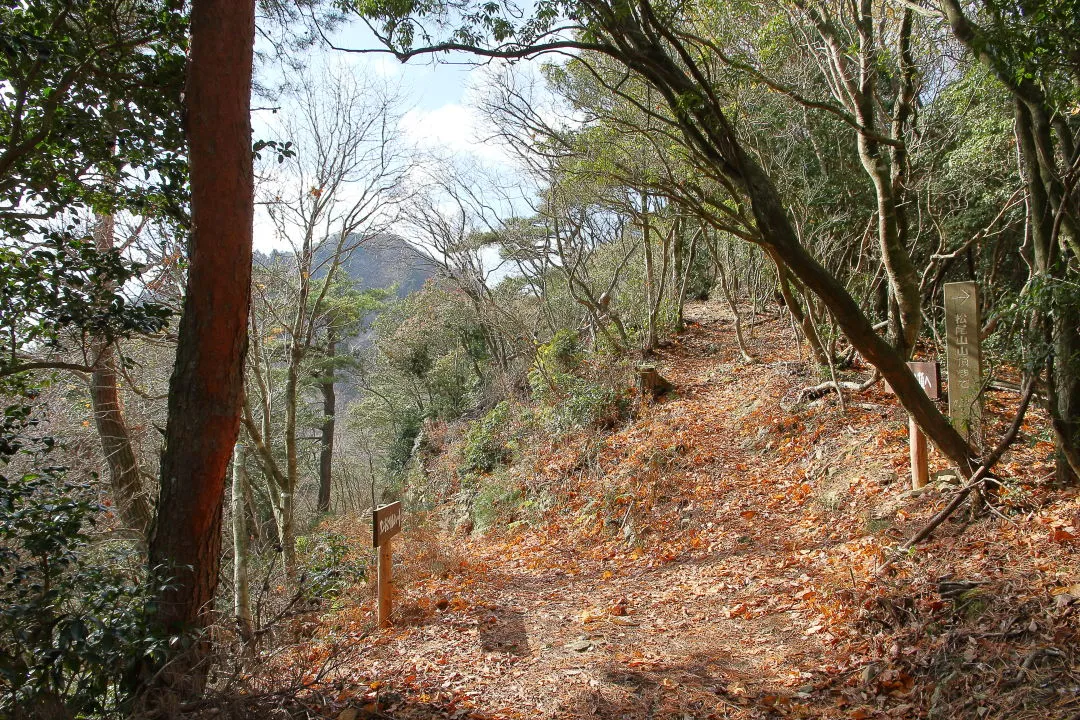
929 376
920 467
385 584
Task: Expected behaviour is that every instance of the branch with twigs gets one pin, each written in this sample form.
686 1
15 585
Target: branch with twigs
977 479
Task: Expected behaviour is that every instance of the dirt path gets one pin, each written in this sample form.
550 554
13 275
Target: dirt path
716 560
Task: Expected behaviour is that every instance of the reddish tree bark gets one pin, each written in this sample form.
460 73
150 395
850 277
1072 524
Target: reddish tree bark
205 391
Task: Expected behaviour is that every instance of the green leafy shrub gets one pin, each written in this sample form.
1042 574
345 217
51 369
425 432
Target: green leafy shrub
452 384
73 618
556 360
576 393
486 444
401 447
498 500
328 569
590 404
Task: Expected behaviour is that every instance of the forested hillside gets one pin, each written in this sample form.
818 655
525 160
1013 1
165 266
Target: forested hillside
653 371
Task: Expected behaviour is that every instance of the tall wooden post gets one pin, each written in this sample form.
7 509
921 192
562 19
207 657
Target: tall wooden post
920 466
964 357
385 584
385 523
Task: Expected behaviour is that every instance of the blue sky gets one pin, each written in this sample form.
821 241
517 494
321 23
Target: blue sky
432 84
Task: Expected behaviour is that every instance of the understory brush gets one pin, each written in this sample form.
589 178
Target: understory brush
572 395
331 563
573 391
74 618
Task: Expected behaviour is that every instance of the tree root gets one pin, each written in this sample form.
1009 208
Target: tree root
817 391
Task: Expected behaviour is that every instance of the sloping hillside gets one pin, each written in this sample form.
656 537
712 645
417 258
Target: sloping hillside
718 557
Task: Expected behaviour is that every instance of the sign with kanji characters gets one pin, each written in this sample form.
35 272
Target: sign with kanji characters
963 355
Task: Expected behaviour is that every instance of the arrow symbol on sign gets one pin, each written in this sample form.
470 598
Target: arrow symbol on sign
965 295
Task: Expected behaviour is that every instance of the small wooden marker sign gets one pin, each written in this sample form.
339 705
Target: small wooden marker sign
385 524
929 376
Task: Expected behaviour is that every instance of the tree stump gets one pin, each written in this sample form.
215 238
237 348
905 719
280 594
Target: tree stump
651 383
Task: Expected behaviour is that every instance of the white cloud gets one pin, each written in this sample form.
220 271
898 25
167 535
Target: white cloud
454 129
384 66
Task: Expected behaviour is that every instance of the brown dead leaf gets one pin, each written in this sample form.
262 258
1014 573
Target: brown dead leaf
590 615
739 610
1061 536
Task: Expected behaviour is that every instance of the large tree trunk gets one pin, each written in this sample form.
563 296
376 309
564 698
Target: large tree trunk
206 388
1048 205
886 170
805 321
1062 322
326 447
906 314
1065 411
780 237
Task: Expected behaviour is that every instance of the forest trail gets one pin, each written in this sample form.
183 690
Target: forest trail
716 560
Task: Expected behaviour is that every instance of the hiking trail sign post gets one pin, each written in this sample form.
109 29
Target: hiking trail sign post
929 376
385 524
963 357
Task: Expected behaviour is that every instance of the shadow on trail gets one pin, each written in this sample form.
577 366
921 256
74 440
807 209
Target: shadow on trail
505 632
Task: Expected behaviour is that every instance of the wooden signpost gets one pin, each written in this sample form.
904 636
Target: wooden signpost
385 524
963 356
929 376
